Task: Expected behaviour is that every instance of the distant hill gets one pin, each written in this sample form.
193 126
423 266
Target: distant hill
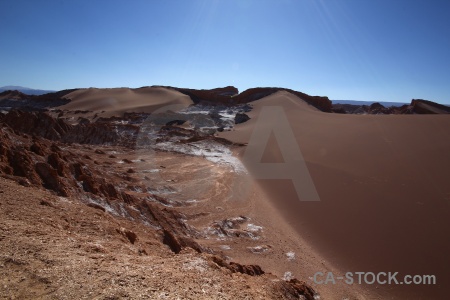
25 90
356 102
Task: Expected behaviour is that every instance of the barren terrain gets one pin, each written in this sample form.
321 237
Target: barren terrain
146 194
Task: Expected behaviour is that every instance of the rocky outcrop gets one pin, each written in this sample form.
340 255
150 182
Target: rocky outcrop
21 163
296 289
241 118
102 134
291 289
376 106
130 235
13 95
36 123
213 96
50 178
428 107
175 232
45 126
252 270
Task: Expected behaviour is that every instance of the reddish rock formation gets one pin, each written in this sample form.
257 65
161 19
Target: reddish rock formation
50 178
36 123
252 270
296 289
130 235
43 125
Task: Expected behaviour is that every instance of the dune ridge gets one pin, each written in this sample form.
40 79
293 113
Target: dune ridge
383 186
120 100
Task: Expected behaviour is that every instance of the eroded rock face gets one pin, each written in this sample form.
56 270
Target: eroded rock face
130 235
252 270
22 164
36 123
50 178
102 134
43 125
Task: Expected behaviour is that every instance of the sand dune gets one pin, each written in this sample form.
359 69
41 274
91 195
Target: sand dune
383 187
116 101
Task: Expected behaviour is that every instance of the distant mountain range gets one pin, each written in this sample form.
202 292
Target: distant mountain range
25 90
357 102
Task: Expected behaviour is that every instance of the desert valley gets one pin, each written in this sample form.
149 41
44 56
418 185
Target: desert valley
148 193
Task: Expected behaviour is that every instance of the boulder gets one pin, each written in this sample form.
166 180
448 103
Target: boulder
241 118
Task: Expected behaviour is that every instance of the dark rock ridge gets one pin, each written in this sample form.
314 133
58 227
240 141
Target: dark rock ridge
322 103
25 90
417 106
241 118
230 96
421 106
219 96
18 100
41 124
213 96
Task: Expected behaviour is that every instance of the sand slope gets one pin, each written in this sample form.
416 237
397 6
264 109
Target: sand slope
116 101
383 182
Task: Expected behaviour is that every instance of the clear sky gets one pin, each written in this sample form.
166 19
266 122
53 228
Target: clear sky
374 50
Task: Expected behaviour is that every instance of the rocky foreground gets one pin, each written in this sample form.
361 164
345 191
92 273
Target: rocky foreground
59 248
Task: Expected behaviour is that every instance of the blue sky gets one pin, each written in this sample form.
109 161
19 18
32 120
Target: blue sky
379 50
